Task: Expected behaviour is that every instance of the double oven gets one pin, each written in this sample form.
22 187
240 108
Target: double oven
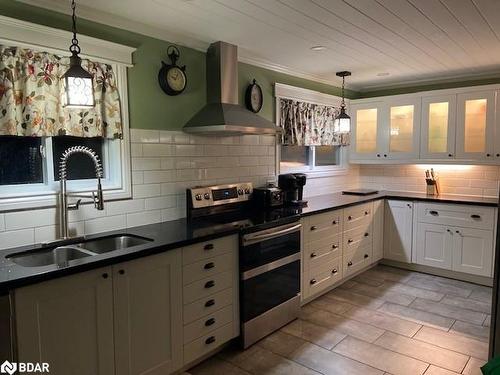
269 279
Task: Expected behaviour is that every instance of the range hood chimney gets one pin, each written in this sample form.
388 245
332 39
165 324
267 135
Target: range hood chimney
222 115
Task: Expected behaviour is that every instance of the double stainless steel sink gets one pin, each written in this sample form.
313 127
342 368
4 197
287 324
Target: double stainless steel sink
62 255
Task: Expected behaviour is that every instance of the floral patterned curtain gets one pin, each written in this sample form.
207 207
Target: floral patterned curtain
308 124
32 97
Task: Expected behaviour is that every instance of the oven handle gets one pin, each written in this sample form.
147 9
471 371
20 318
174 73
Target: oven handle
249 239
270 266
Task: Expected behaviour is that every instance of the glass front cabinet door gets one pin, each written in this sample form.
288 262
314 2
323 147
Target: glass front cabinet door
402 132
365 133
438 127
476 125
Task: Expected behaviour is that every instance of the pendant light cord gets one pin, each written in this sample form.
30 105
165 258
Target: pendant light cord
343 102
74 48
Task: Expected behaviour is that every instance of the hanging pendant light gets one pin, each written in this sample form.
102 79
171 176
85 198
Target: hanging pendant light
342 124
78 82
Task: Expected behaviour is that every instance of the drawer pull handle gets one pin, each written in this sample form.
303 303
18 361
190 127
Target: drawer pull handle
105 275
210 340
475 216
350 240
312 282
209 246
210 322
488 155
209 303
378 155
334 271
313 227
349 217
334 222
367 234
335 247
366 256
434 213
209 265
366 212
121 272
209 284
349 264
313 255
450 155
449 231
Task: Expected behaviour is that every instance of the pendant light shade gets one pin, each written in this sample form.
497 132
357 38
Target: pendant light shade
342 124
79 85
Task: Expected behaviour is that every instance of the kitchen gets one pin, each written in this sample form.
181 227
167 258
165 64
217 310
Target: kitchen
253 187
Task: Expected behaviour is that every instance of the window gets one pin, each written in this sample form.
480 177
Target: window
29 166
311 158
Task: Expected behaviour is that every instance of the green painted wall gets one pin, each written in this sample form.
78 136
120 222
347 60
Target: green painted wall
149 107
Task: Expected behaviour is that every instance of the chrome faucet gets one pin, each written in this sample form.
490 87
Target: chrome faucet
96 197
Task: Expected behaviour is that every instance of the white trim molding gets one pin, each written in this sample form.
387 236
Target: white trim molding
26 34
305 95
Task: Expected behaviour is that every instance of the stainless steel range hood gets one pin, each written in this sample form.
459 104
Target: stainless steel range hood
223 115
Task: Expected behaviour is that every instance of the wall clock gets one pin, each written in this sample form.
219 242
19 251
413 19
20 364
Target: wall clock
253 97
172 78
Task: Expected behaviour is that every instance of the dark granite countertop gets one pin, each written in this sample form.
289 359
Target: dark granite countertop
174 234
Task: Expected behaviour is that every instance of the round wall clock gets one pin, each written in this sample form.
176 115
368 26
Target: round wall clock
172 78
253 97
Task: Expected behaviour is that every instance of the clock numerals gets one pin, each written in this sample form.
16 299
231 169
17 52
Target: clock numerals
171 77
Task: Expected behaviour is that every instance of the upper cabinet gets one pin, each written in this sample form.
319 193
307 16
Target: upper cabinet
475 125
438 127
446 125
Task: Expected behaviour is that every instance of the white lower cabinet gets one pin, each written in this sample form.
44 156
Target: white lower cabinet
434 245
68 322
398 228
378 229
473 251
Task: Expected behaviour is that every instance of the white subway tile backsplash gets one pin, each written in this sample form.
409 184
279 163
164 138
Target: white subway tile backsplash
136 150
249 140
160 202
2 222
137 177
29 219
268 140
188 150
144 136
155 150
151 177
51 232
104 224
145 164
146 191
125 206
143 218
17 238
166 136
249 160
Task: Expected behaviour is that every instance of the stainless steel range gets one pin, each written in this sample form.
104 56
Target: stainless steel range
269 254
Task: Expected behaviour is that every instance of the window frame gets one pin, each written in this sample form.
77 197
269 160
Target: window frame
117 183
282 91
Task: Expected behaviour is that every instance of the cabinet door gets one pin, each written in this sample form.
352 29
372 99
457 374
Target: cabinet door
148 315
438 127
403 133
475 125
473 251
434 245
365 131
497 128
378 230
68 322
398 225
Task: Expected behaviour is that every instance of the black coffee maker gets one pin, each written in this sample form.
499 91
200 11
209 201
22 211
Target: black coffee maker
292 185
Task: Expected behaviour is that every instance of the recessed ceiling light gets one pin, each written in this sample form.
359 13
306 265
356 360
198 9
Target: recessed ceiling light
318 48
383 74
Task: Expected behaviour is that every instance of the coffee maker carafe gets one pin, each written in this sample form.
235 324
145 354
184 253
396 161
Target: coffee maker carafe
292 185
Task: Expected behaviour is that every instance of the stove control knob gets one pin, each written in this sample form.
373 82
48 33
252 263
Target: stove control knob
240 191
198 197
207 196
247 190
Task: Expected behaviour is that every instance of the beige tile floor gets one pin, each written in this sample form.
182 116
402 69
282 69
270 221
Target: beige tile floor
384 321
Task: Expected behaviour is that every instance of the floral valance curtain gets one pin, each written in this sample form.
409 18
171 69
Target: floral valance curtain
308 124
32 97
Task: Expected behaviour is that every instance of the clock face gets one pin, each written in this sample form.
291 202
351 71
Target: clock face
254 98
176 79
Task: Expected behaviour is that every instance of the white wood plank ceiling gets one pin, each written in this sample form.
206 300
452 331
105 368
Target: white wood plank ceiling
383 42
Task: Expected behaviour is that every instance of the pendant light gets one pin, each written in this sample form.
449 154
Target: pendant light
342 124
78 82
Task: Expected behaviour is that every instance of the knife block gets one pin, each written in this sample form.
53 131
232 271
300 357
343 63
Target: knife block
433 188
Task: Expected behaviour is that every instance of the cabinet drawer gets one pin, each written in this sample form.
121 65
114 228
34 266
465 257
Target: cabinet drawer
207 267
209 249
321 277
207 286
357 238
357 260
359 215
320 251
208 323
456 215
208 305
323 225
207 343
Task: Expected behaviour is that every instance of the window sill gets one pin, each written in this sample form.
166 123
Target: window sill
49 200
